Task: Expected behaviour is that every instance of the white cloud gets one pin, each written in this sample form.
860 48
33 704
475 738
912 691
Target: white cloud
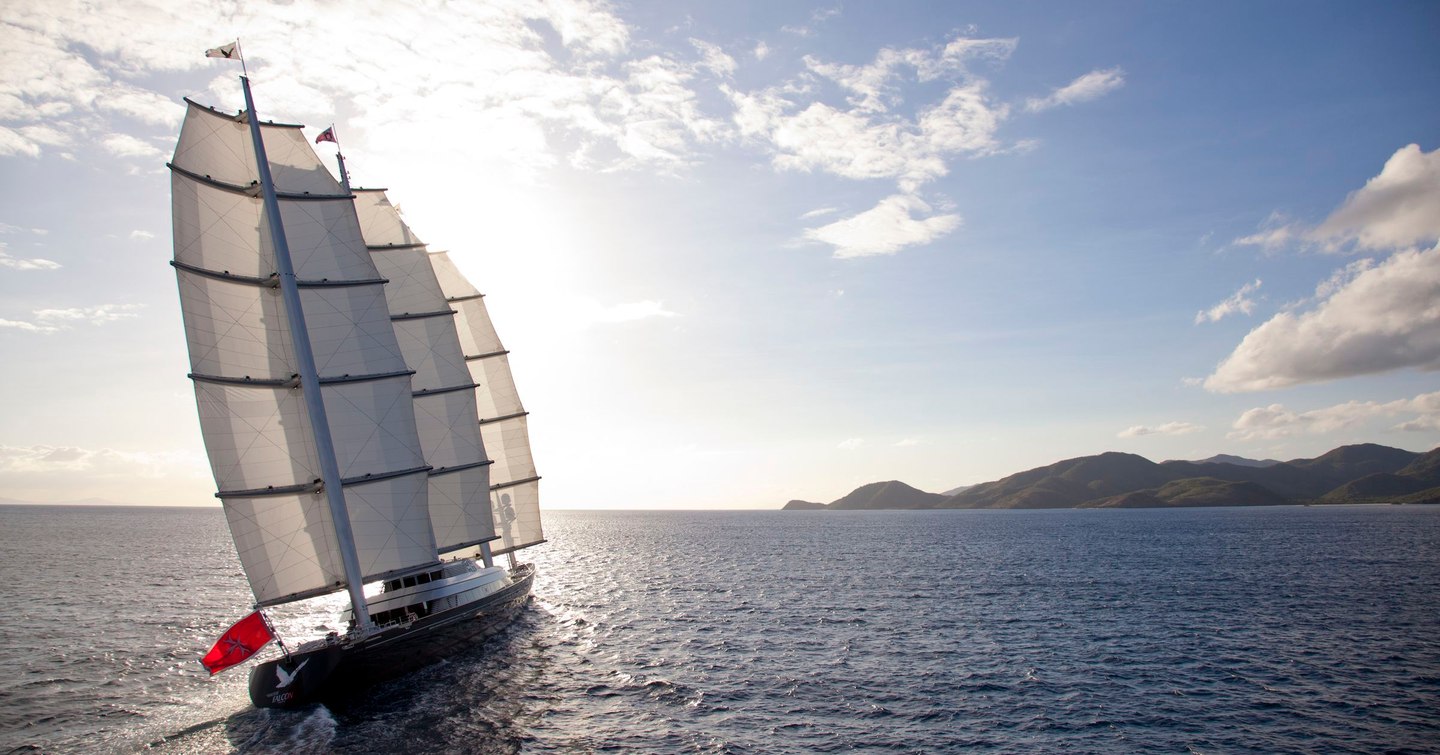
1398 208
1169 428
884 229
762 51
1276 421
714 59
139 235
1387 317
907 443
1238 302
850 444
71 81
124 145
592 312
104 462
12 143
864 140
871 85
28 327
55 320
819 212
1091 86
1371 316
1271 238
21 263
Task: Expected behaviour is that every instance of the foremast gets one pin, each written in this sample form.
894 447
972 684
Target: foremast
309 375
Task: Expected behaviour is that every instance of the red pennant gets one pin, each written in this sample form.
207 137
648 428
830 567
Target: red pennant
328 135
238 643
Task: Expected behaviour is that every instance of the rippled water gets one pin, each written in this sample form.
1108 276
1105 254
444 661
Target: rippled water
1285 629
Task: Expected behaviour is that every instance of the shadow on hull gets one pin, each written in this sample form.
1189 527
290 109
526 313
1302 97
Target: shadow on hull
336 671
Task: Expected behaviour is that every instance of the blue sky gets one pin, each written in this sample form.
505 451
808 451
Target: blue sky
748 252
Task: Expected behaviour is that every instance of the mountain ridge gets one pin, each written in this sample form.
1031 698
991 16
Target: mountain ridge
1358 473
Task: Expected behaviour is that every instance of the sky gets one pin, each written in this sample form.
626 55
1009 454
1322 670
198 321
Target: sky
748 252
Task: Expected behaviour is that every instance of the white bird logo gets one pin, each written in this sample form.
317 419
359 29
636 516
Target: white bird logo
284 678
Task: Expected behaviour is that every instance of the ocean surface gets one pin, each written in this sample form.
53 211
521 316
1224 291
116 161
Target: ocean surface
1265 630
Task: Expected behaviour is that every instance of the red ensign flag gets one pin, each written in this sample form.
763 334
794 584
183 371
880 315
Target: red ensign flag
238 643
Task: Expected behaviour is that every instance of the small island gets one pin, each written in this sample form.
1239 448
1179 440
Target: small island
1362 473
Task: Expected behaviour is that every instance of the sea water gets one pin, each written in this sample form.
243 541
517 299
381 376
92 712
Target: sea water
1288 629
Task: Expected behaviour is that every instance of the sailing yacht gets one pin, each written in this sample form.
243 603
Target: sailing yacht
357 408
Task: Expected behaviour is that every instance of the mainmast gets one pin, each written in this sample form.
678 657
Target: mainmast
309 376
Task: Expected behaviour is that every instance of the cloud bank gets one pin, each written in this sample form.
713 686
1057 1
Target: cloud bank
1169 428
1239 302
1271 422
1091 86
1372 316
887 228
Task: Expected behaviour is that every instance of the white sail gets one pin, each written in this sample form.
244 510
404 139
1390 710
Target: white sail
445 407
257 432
514 485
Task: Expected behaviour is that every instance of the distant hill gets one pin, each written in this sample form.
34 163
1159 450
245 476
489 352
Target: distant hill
1064 484
1362 473
1195 491
1416 482
1239 461
887 495
876 495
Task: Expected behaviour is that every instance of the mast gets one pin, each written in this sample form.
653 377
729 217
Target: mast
309 377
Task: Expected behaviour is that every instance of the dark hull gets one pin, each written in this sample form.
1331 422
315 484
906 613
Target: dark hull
329 672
